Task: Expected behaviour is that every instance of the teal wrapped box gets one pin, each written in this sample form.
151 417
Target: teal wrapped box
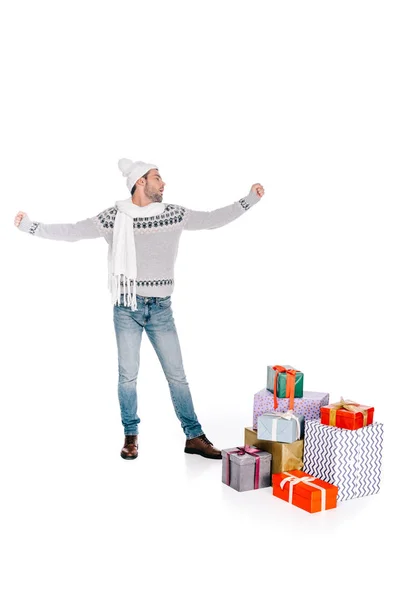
280 427
281 388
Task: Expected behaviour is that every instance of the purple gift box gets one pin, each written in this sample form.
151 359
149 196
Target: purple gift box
309 405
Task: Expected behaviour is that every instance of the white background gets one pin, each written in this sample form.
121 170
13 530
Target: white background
302 97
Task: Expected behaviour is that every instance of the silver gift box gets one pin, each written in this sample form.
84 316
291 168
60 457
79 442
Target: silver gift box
242 469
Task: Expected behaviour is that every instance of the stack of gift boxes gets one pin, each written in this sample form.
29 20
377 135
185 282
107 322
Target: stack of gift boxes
312 452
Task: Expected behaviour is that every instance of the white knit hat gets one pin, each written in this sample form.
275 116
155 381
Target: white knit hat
133 170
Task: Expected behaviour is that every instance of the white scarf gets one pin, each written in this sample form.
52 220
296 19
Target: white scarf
122 268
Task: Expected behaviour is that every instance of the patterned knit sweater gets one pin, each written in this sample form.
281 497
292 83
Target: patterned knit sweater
156 238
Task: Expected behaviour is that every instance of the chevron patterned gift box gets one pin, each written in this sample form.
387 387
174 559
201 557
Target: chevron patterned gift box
349 459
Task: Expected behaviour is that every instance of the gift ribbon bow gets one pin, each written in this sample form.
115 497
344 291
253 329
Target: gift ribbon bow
290 384
294 480
241 450
280 415
347 405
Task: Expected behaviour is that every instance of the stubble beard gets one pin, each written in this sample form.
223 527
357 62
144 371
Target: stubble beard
151 195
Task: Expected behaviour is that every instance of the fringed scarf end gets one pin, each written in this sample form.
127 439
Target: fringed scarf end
115 283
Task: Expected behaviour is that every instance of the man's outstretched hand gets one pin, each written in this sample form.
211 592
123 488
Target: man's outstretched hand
258 189
19 218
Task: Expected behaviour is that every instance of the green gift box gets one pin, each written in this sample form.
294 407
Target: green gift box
281 383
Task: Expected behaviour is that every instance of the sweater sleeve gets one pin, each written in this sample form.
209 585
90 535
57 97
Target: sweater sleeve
93 227
196 219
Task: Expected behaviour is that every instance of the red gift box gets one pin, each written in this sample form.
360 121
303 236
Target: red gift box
302 490
347 415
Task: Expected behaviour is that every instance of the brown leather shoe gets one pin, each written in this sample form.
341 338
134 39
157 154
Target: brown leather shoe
201 445
130 449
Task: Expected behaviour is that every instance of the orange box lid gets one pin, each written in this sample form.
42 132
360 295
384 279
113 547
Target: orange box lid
302 489
343 411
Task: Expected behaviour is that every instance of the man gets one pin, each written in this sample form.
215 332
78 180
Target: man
143 234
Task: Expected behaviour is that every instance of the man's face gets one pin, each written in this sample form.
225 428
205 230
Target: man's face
154 186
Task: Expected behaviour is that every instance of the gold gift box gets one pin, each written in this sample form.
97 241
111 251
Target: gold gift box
285 457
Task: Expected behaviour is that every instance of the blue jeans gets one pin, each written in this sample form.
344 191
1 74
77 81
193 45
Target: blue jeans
155 316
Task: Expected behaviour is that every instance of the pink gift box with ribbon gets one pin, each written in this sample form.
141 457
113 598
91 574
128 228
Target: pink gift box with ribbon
246 468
